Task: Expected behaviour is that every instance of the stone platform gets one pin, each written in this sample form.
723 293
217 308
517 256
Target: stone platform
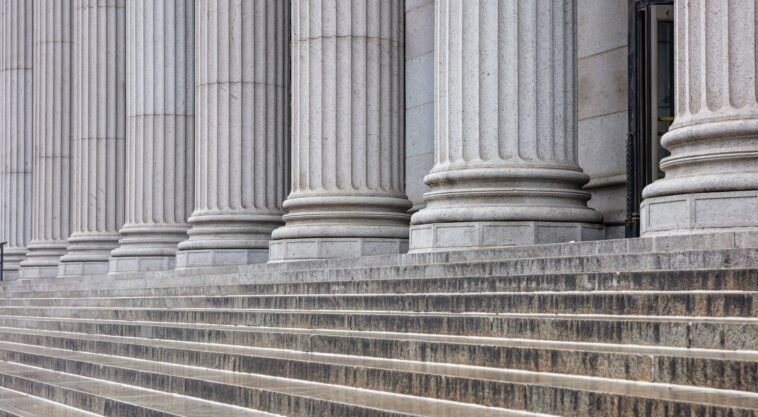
639 327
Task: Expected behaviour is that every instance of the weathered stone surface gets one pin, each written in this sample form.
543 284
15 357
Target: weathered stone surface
242 139
348 186
16 96
160 132
506 169
53 118
711 180
99 139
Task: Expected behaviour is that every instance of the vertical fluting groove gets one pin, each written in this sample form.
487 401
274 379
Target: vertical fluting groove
16 135
99 135
160 128
505 135
52 119
348 124
242 93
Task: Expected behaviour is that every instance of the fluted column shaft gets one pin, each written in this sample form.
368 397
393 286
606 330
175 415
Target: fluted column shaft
99 136
242 139
16 30
711 180
348 197
53 129
506 169
159 133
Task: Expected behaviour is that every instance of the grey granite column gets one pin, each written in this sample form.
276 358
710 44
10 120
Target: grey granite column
506 170
16 33
99 136
711 177
348 186
159 133
53 129
242 138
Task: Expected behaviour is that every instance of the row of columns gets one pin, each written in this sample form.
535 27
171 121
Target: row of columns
162 130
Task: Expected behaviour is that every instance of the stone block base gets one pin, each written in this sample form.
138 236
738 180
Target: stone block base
35 272
82 268
123 264
286 250
471 235
198 258
700 213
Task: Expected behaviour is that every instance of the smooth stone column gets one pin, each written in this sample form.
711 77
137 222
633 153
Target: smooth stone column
53 130
16 32
242 138
711 181
100 97
506 170
348 186
159 133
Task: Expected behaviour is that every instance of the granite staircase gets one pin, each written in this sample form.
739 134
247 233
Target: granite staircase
659 327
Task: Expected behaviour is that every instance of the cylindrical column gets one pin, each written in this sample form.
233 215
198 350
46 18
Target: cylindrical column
242 139
16 33
159 133
348 189
711 177
99 135
53 129
506 170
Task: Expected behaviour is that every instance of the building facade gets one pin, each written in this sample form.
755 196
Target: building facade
144 135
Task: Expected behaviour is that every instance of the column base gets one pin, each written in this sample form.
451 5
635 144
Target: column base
74 268
473 235
42 259
699 213
35 272
123 264
307 249
198 258
11 263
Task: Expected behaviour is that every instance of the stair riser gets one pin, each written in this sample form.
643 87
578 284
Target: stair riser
723 374
737 280
706 335
721 259
681 304
561 401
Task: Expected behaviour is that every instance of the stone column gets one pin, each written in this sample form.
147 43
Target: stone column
16 31
159 133
711 181
506 170
348 196
99 136
242 138
53 128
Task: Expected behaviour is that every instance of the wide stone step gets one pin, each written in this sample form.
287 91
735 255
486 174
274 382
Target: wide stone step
17 404
107 398
709 368
681 280
685 332
289 397
566 396
669 261
680 303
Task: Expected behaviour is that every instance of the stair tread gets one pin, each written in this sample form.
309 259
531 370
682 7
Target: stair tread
24 405
144 398
416 406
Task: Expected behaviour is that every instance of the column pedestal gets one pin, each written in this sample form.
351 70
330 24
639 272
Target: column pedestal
711 177
506 170
348 197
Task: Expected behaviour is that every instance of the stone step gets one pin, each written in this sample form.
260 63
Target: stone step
17 404
681 280
565 395
698 260
709 368
656 303
289 397
108 398
685 332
